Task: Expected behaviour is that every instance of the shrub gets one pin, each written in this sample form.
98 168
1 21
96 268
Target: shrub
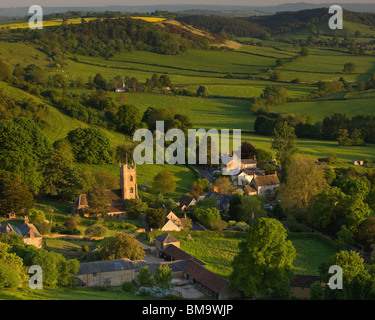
85 248
129 287
96 230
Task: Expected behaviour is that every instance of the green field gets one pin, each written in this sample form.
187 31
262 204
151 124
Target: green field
111 293
218 250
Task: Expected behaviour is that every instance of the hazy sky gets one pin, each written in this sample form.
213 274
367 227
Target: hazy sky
84 3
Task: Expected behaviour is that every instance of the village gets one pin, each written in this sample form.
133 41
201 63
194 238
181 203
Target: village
191 278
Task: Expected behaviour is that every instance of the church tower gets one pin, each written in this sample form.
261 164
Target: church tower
128 181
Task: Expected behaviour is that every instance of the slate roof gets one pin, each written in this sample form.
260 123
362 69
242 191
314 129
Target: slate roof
179 254
104 266
23 230
114 197
166 238
185 200
207 278
126 264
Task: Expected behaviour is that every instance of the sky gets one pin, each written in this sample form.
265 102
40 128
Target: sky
84 3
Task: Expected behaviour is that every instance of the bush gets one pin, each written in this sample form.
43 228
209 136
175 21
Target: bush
85 248
129 287
96 230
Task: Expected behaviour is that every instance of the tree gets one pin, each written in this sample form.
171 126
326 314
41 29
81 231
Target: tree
155 218
96 230
247 150
356 278
22 150
365 234
224 185
206 215
90 146
12 271
349 67
304 52
251 208
304 181
100 82
269 256
122 245
135 207
15 196
61 179
164 182
283 141
144 277
202 91
128 119
97 201
163 277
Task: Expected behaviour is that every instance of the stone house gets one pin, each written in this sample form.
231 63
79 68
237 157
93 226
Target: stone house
172 222
265 185
26 230
186 202
164 240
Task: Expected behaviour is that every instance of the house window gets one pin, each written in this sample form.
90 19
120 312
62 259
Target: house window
131 178
131 190
94 274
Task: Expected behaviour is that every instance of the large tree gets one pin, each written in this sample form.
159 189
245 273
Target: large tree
61 178
97 201
164 182
264 265
283 141
304 181
128 119
15 195
122 245
90 145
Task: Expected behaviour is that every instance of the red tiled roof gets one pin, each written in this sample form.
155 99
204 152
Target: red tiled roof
205 277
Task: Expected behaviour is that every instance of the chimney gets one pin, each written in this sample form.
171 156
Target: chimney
26 219
7 229
31 232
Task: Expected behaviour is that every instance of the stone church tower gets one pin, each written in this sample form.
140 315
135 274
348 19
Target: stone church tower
128 181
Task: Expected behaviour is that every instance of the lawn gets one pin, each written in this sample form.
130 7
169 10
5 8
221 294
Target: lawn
111 293
218 251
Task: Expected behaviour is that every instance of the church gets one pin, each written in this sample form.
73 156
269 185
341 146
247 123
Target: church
128 190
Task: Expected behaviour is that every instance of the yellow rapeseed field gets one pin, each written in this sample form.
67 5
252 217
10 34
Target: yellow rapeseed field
70 21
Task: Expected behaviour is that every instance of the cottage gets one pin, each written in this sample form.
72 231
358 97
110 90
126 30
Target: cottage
172 222
222 201
185 202
164 240
357 162
26 230
300 285
265 185
247 175
120 87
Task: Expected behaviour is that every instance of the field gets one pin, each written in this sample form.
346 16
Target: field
58 22
218 251
112 293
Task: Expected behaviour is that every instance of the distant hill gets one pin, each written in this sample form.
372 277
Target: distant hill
228 10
